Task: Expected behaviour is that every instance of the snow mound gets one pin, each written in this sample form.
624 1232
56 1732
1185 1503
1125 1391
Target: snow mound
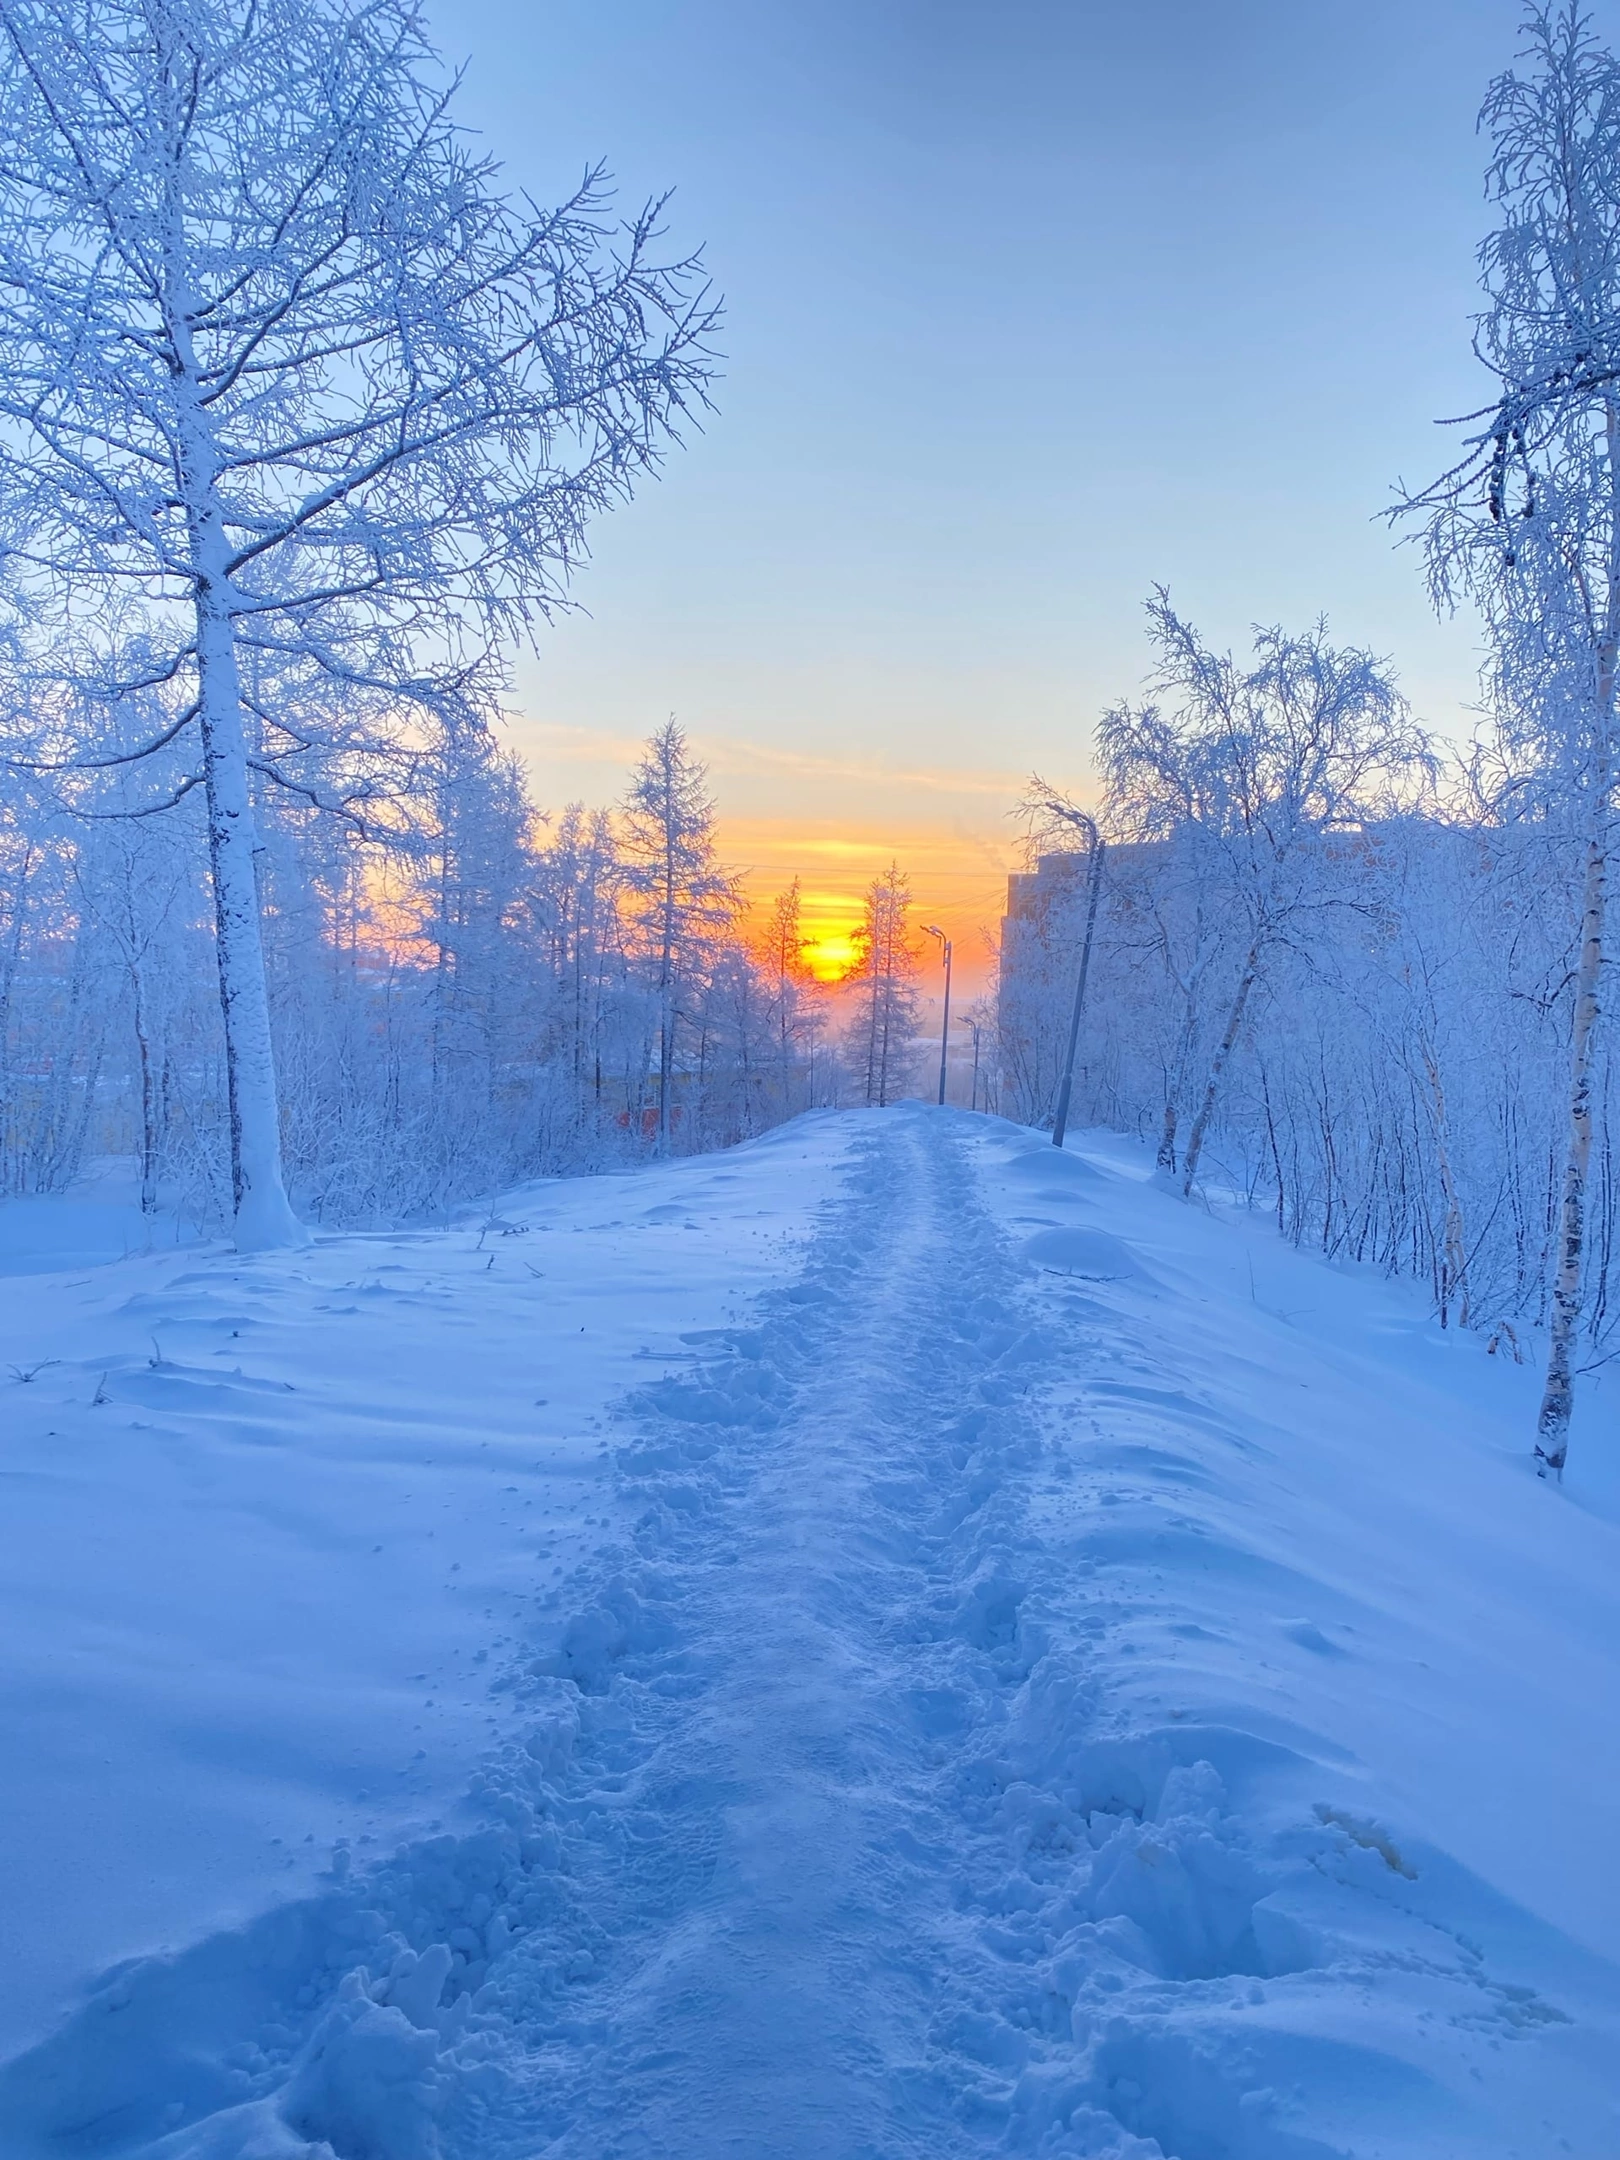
1085 1252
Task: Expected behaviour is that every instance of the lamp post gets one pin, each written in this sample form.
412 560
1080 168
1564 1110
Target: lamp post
945 1026
1073 816
978 1029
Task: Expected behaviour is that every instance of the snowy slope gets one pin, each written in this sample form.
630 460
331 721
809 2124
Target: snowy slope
249 1598
1060 1674
1303 1534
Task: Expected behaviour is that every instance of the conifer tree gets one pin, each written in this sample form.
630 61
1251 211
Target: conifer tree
883 1032
686 900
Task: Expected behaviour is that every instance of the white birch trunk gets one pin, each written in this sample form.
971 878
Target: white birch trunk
1217 1067
143 1050
1558 1395
1454 1276
1165 1160
1558 1398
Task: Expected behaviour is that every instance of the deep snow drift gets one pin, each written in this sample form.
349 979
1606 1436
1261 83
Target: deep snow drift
1037 1669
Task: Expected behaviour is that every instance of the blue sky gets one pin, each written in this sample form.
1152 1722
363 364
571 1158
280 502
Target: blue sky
1029 305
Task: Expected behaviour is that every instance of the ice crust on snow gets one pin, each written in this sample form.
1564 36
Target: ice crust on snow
1012 1704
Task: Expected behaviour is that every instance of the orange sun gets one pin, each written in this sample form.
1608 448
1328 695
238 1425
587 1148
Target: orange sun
829 953
827 927
958 880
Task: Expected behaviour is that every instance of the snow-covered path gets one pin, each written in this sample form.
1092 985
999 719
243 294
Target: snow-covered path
1071 1678
774 1930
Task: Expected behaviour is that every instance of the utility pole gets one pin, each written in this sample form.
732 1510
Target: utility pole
945 1027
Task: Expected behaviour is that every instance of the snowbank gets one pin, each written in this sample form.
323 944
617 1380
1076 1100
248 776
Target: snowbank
267 1524
1352 1739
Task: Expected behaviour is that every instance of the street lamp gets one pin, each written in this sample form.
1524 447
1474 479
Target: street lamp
945 1027
1072 815
978 1029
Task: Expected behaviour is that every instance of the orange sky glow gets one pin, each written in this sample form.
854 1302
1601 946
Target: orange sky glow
958 880
833 821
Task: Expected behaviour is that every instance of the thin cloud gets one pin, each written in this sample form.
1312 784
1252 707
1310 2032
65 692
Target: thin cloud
725 754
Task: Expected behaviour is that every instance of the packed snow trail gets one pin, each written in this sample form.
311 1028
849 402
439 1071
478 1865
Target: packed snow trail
1014 1720
776 1942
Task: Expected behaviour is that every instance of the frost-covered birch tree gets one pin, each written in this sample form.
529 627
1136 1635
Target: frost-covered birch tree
284 374
1257 766
1527 525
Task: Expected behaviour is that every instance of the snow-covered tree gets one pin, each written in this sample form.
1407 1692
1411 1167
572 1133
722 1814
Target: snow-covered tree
795 993
1527 525
283 372
579 887
1256 767
686 901
882 1037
